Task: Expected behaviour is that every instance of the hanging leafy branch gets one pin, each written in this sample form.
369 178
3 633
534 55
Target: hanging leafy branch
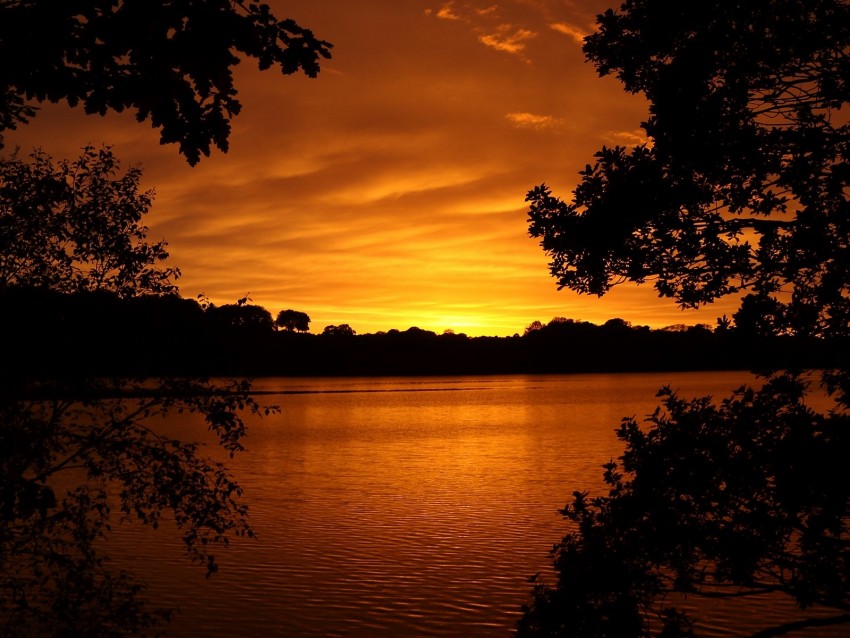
79 453
742 184
171 62
740 189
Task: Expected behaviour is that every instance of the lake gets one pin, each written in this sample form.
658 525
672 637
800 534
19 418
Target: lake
403 506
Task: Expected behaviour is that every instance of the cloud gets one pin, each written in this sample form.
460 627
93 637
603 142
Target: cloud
570 30
508 38
389 194
533 121
626 138
489 26
467 12
488 11
446 12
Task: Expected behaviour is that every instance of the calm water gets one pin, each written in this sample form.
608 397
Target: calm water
403 507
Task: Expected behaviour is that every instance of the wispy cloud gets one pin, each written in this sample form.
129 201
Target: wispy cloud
447 12
533 121
570 30
508 38
389 195
626 138
492 10
488 24
466 11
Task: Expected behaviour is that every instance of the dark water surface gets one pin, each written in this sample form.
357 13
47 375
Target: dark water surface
403 506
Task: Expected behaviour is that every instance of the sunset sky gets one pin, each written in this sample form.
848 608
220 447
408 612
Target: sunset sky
389 192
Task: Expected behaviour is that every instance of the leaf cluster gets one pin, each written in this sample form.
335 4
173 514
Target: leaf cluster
741 188
742 183
74 226
171 62
80 452
292 321
748 497
73 453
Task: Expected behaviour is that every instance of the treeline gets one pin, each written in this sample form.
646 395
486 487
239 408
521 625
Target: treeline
97 333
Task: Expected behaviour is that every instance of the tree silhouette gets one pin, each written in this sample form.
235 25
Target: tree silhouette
748 498
70 453
741 188
742 184
170 62
534 326
292 321
76 446
342 330
246 317
55 233
73 227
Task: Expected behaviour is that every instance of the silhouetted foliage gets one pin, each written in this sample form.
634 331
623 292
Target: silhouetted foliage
174 336
745 498
742 184
247 317
342 330
741 188
81 442
532 327
75 225
71 454
172 63
292 321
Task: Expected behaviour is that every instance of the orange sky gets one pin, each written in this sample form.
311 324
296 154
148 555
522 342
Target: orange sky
389 192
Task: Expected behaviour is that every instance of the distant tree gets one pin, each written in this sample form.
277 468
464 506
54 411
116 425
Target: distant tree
75 225
417 332
724 325
700 328
342 330
534 326
79 453
617 325
676 327
741 188
455 337
292 321
242 316
170 62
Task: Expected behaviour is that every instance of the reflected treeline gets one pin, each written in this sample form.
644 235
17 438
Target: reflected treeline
98 333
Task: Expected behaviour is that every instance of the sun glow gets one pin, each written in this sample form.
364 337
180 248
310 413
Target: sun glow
389 192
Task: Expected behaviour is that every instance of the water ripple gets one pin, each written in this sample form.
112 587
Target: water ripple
399 507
